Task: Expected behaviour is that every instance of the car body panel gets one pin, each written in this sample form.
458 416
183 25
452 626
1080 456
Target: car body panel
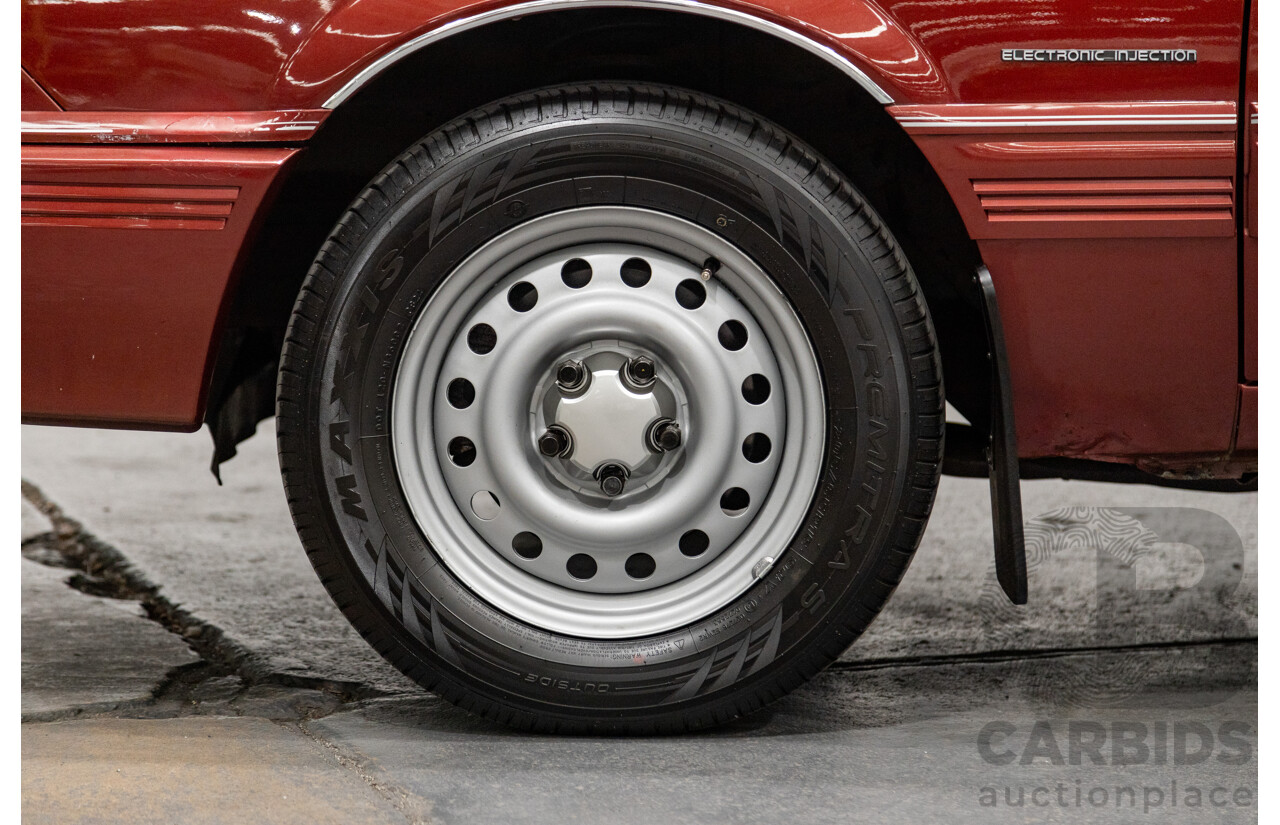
1118 345
35 99
173 55
127 256
1247 435
1103 197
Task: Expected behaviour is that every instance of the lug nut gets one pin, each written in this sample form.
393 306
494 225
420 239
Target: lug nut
555 442
570 376
664 436
612 478
640 371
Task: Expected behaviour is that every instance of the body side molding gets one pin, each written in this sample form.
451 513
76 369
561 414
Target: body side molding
115 128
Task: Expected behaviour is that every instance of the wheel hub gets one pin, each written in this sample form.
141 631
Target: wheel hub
610 420
597 439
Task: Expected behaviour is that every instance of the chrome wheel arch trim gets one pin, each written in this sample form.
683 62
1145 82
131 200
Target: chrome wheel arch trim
436 35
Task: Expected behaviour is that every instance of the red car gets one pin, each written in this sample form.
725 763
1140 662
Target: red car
607 341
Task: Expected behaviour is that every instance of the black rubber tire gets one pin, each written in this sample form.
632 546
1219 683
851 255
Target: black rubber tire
659 148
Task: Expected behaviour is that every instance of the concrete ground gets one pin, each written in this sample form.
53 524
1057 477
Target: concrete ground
182 664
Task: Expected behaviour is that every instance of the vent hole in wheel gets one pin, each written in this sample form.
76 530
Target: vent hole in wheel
576 273
732 335
581 566
691 294
482 339
755 389
641 566
461 393
462 451
527 545
735 501
694 543
522 296
636 272
756 447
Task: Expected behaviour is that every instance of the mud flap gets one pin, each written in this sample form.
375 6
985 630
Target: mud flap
1002 455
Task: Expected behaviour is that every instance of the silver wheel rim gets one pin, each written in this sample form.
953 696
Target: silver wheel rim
467 454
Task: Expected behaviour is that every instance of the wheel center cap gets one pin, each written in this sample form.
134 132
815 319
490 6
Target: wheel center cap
608 421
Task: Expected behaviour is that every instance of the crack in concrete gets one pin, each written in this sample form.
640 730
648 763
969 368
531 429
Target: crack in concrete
229 679
1016 654
255 688
415 809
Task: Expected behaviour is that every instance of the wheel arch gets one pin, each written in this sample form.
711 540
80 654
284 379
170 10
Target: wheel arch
801 88
836 58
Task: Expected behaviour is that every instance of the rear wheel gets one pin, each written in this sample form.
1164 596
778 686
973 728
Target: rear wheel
610 407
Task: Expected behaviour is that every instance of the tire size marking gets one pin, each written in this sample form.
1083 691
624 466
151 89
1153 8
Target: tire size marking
830 482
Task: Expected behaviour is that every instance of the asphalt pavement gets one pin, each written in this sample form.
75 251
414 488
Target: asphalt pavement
182 664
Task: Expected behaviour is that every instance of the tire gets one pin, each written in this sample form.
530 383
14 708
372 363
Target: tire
477 234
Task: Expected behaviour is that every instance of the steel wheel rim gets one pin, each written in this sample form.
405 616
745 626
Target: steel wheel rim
476 538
